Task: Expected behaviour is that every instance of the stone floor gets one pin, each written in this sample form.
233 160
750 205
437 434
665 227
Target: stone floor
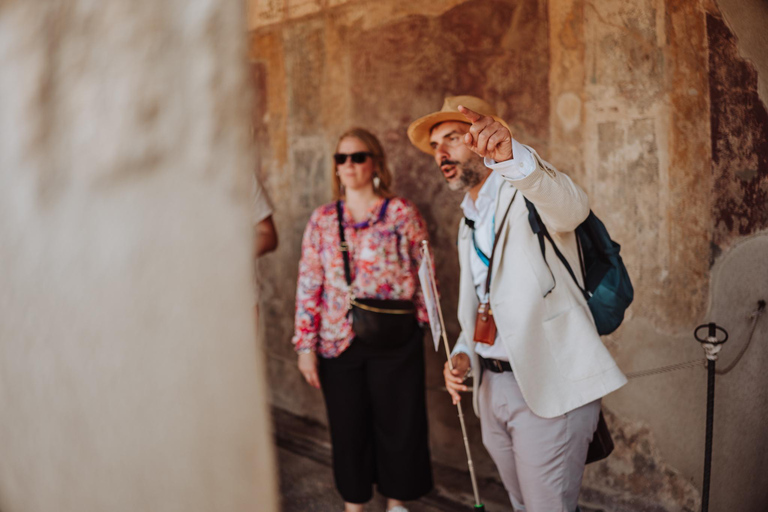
306 480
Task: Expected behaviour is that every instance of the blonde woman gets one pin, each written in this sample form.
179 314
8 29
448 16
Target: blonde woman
374 392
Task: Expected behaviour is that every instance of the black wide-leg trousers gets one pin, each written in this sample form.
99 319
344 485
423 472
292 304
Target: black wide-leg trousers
377 414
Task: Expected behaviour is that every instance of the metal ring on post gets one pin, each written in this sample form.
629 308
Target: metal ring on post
711 344
712 338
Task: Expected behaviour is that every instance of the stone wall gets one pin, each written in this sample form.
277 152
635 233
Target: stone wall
344 67
739 141
129 376
650 105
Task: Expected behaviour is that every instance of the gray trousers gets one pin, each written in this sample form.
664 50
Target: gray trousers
540 461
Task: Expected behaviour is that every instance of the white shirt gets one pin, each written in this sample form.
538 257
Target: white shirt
261 208
482 212
261 205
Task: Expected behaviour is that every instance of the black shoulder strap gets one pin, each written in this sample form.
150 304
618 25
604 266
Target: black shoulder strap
541 231
495 243
343 247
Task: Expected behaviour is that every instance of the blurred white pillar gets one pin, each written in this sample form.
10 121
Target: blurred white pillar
129 375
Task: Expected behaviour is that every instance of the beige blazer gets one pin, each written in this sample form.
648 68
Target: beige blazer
557 357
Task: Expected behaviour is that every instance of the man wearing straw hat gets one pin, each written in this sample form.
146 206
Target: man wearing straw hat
527 338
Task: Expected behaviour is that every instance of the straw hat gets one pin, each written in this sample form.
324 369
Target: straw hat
420 129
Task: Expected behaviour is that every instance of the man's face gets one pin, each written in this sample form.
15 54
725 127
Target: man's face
462 169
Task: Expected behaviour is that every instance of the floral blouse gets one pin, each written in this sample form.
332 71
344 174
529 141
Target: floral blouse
384 255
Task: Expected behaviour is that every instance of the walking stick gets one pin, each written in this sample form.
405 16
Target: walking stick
711 347
425 254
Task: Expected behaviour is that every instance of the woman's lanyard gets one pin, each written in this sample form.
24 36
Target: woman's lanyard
343 246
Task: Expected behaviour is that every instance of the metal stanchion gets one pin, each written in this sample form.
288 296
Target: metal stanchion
711 346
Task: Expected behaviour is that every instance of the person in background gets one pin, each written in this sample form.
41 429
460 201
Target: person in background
374 395
264 232
264 236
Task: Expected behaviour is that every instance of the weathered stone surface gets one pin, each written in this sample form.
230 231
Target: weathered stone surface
618 95
566 84
644 163
129 376
747 21
346 66
263 13
634 476
687 185
739 141
740 460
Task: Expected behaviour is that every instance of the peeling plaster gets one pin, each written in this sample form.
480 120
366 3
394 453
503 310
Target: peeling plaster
748 19
739 140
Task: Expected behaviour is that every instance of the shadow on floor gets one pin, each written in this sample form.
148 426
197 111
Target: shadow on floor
306 479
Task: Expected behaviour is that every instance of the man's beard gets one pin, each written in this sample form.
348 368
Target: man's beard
469 174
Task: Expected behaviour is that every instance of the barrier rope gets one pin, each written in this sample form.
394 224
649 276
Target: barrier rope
755 316
665 369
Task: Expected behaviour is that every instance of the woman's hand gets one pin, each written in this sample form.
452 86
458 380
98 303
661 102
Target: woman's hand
308 368
454 379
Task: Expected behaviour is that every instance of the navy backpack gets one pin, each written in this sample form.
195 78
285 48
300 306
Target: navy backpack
607 287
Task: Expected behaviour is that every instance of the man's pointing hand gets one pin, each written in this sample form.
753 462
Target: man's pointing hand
487 137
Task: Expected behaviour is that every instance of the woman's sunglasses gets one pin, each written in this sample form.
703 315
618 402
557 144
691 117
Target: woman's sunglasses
357 158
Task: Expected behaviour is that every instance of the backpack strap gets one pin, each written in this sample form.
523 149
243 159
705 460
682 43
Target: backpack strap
541 231
495 243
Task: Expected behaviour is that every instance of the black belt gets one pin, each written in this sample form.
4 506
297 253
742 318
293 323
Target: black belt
495 365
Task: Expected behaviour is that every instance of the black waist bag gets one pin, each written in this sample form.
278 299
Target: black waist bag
380 323
383 323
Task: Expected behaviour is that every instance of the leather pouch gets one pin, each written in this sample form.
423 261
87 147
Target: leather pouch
485 326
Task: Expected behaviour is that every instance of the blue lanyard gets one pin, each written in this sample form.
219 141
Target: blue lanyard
483 257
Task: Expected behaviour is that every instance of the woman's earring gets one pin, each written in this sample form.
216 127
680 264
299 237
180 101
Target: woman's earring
376 182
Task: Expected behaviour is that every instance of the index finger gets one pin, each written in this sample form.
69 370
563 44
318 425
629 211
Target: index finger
470 114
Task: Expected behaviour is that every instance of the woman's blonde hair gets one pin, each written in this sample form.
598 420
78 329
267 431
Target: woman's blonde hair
380 167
